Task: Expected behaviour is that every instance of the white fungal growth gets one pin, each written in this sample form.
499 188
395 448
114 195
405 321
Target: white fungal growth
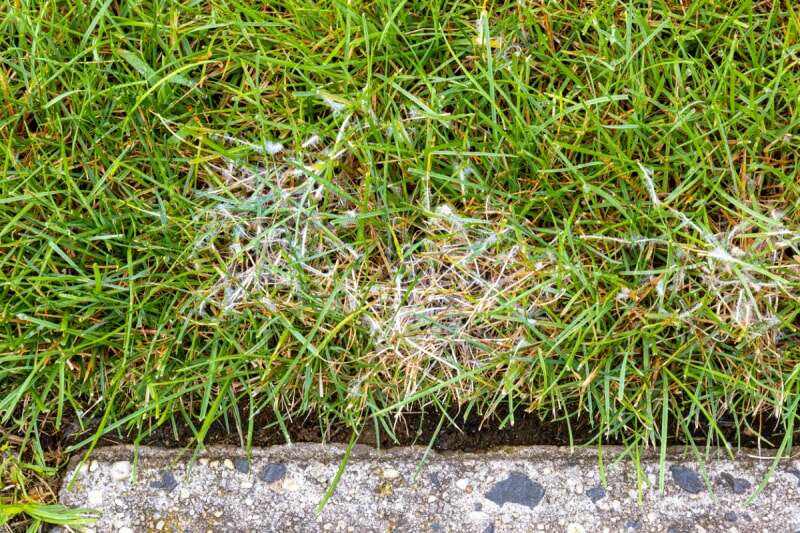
464 172
444 211
333 105
463 284
746 309
312 141
483 36
482 27
647 176
273 148
722 255
661 288
431 305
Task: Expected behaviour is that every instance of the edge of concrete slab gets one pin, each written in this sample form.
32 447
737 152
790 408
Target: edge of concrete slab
327 452
415 489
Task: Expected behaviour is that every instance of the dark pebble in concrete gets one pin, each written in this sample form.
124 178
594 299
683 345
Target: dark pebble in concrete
272 472
167 481
516 488
242 465
596 493
489 528
633 525
687 479
796 473
730 516
736 484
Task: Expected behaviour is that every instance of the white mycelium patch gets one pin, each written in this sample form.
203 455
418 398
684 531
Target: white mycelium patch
453 288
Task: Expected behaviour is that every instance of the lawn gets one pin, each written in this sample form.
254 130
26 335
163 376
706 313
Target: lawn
215 210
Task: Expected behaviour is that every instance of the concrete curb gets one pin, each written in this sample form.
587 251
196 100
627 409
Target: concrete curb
540 488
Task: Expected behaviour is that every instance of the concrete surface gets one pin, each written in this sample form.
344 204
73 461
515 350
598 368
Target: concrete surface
515 489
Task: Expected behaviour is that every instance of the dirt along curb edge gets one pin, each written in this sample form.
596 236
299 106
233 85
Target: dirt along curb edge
543 488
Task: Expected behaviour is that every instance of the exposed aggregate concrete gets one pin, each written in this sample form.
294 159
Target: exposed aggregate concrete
539 488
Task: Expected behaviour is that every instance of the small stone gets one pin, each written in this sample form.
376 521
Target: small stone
290 485
575 528
596 493
247 484
328 526
227 463
652 517
462 484
736 484
120 470
167 481
272 472
203 461
516 488
160 525
730 516
242 465
218 514
687 479
93 466
94 498
431 499
391 473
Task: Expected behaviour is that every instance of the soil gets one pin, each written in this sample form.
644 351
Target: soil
472 433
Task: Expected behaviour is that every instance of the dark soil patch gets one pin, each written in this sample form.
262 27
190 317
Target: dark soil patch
471 433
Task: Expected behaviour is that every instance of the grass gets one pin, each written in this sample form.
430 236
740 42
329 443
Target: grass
211 210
